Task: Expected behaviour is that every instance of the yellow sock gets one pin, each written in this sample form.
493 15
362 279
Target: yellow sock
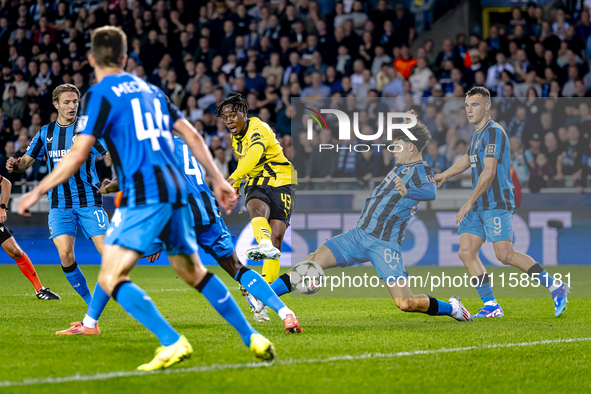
271 270
261 229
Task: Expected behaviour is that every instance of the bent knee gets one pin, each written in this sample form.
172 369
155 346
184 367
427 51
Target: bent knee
465 254
505 257
67 258
108 280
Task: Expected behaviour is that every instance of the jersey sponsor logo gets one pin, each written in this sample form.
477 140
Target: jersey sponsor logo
81 124
491 149
49 139
57 155
430 179
473 159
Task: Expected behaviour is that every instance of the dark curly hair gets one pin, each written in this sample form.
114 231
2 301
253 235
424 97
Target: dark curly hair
420 132
235 99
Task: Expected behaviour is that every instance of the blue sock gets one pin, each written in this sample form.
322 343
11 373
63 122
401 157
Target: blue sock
445 308
256 285
214 290
438 307
98 303
544 278
281 285
78 281
141 307
483 288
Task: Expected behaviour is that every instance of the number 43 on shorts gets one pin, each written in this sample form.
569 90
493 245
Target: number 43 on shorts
286 198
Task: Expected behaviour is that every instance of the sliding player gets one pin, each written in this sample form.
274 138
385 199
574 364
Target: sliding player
10 246
488 214
76 202
136 120
212 236
270 183
381 227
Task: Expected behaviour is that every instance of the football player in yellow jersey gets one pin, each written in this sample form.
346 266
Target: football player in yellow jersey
270 182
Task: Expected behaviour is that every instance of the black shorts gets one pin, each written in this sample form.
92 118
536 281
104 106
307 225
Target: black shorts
5 233
281 200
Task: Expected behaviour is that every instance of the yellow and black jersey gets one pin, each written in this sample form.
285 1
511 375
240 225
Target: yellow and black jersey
261 157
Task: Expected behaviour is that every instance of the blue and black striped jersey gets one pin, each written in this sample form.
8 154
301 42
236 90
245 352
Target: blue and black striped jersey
492 142
203 206
135 118
386 213
53 141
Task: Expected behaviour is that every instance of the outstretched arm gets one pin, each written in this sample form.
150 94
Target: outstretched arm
68 166
462 165
247 163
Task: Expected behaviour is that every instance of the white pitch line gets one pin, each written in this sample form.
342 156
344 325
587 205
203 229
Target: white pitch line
219 367
147 291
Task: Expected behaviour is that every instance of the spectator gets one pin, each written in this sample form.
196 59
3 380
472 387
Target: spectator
13 106
437 162
569 161
518 160
323 164
294 67
405 63
404 26
274 68
540 171
358 17
316 89
362 89
221 161
494 72
460 149
517 125
569 89
253 81
394 88
344 65
173 89
151 52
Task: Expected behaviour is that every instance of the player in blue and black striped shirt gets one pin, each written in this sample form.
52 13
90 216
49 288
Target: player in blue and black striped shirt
379 233
76 201
136 120
488 214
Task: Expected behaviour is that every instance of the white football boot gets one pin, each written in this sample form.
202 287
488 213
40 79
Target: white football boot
460 313
263 251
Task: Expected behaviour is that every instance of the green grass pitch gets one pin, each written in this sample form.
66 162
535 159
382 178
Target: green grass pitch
409 352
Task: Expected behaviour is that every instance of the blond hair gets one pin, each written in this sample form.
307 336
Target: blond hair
66 87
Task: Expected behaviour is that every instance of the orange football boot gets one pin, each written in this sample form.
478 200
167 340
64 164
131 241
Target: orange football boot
292 325
79 329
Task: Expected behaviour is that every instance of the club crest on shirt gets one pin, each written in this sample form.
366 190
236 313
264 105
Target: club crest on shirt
404 170
255 137
491 149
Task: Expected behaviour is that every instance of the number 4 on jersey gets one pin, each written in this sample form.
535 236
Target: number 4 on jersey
150 132
196 170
